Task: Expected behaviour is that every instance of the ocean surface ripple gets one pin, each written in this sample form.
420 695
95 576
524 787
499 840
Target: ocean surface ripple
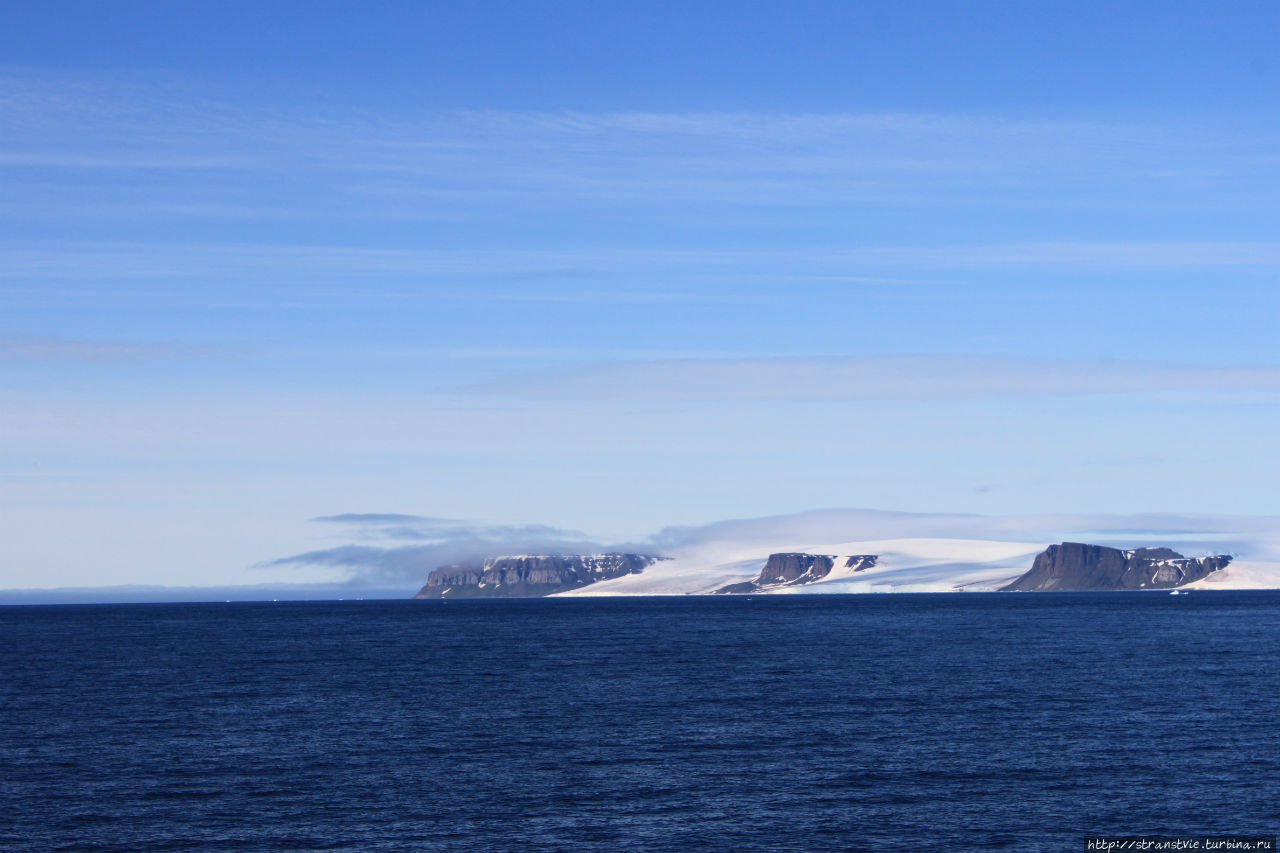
782 723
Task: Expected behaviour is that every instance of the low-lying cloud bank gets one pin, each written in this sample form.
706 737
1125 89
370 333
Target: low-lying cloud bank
390 525
438 542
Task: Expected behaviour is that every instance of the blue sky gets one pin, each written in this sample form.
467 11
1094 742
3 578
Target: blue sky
607 267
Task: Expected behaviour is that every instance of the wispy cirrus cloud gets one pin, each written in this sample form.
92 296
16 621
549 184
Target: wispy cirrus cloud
72 160
623 275
1068 254
739 157
1054 186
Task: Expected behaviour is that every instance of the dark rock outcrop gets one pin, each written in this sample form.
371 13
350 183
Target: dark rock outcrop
1075 566
529 575
795 569
861 562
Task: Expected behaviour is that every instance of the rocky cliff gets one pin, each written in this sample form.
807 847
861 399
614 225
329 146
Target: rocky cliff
794 569
529 575
1075 566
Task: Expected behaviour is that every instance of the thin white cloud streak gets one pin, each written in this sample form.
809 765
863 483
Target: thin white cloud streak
1075 255
312 264
57 160
729 157
881 378
429 529
26 350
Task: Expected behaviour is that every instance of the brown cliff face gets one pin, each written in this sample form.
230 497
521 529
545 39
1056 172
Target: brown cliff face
1076 566
795 569
529 575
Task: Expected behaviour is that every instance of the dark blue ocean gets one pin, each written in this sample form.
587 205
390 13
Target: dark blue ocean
784 723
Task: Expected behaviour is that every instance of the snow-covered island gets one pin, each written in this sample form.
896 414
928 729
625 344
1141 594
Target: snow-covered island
886 565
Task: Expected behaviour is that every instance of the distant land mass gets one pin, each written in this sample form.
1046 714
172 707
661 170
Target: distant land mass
529 575
1076 566
390 555
935 565
796 570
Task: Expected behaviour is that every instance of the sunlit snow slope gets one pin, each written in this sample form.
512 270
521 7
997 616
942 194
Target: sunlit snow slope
905 565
